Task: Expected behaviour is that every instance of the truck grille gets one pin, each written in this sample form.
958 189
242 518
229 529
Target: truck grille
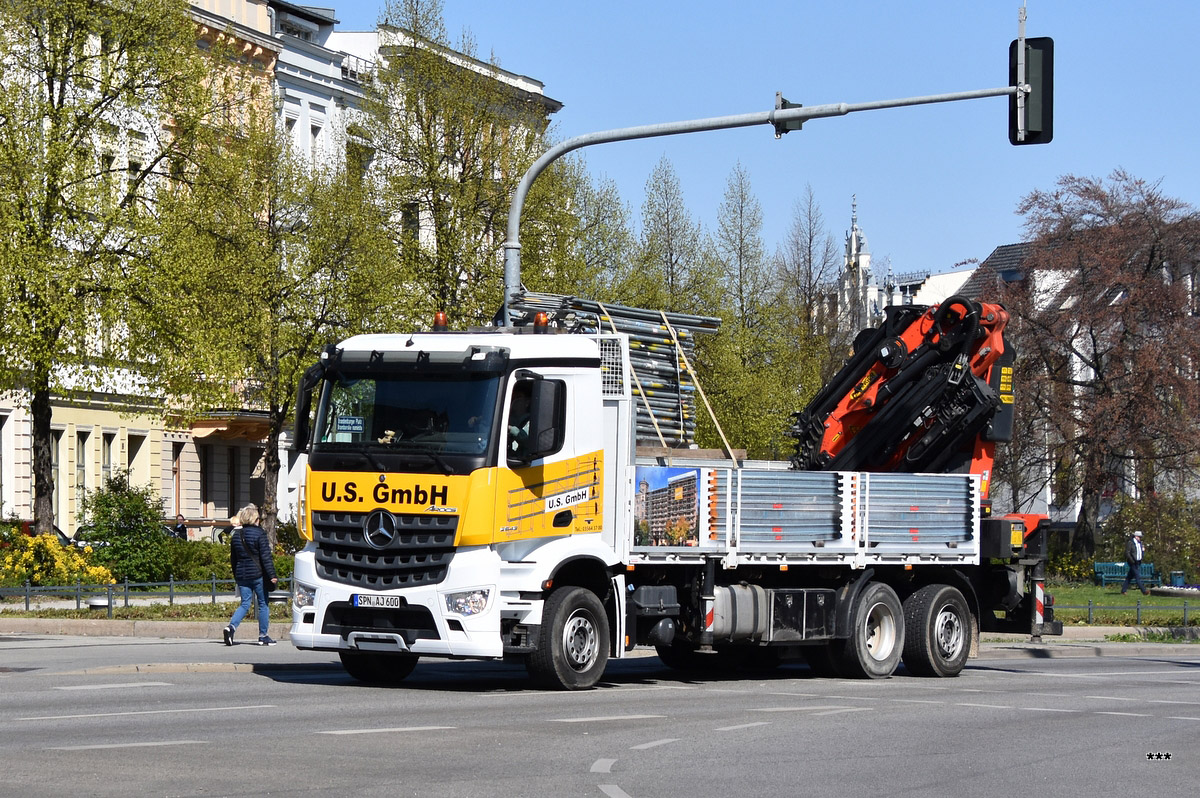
418 555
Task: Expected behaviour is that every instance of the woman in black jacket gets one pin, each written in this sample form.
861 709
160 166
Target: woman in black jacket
253 570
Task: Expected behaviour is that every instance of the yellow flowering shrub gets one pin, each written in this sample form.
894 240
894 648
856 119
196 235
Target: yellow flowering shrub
42 560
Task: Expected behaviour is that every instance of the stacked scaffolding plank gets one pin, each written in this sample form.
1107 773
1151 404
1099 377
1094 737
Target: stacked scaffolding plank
663 385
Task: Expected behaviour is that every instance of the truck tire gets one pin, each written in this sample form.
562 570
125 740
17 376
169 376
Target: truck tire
937 631
573 645
375 668
876 634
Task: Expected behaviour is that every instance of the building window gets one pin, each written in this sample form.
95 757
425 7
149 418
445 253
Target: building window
139 471
56 471
233 480
314 133
106 457
81 445
177 476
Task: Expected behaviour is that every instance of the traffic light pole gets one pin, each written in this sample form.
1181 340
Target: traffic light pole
783 119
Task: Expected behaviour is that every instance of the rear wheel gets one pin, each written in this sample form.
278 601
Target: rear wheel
876 634
375 668
937 637
573 645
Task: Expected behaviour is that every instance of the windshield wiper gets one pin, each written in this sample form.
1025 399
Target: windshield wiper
437 459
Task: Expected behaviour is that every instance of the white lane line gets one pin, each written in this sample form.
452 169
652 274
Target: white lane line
1184 718
386 731
114 686
602 718
1111 698
127 745
982 706
1168 701
797 709
603 765
655 744
613 791
744 726
1126 714
917 701
148 712
843 709
1048 709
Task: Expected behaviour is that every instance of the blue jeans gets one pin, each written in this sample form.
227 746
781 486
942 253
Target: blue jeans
248 594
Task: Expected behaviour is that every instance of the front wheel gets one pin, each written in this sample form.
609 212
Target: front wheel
938 631
573 645
375 668
876 634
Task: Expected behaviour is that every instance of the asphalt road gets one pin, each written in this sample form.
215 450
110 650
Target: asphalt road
145 716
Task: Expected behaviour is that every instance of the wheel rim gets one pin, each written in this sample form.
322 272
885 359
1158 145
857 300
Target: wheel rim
948 633
581 644
879 632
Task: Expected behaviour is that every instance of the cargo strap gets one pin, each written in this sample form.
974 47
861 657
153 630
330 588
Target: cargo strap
637 381
699 387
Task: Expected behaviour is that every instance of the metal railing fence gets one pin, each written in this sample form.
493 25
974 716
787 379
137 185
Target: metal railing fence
130 593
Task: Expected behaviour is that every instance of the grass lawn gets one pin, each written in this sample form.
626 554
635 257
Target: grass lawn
1109 607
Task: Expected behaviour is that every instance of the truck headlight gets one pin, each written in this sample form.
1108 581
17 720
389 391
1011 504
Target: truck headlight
303 595
469 602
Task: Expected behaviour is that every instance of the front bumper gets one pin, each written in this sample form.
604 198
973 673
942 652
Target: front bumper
421 624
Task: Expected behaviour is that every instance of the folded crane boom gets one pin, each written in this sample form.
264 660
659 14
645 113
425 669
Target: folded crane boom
928 390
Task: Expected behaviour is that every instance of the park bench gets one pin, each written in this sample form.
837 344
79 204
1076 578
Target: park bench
1106 573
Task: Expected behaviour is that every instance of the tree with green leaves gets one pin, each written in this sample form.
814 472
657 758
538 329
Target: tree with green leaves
292 254
807 268
97 100
749 372
674 260
453 134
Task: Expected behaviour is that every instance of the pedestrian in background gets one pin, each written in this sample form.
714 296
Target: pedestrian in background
1135 551
253 570
181 527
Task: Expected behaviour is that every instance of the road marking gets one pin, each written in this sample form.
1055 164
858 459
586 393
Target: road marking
798 709
1178 718
387 731
126 745
613 791
917 701
655 744
603 765
1125 714
744 726
114 686
1048 709
1111 698
1168 701
843 709
982 706
147 712
601 718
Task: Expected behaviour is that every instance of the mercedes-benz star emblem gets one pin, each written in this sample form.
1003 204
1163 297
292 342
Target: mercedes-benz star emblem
380 529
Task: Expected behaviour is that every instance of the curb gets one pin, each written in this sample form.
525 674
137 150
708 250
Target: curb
87 627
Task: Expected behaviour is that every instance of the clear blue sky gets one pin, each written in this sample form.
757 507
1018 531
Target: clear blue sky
936 185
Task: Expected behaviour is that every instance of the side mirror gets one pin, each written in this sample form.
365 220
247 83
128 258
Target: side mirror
300 430
547 419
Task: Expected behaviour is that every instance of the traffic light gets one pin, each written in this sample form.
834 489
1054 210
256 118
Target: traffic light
1039 100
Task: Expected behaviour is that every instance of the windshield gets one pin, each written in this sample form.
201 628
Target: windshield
444 413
